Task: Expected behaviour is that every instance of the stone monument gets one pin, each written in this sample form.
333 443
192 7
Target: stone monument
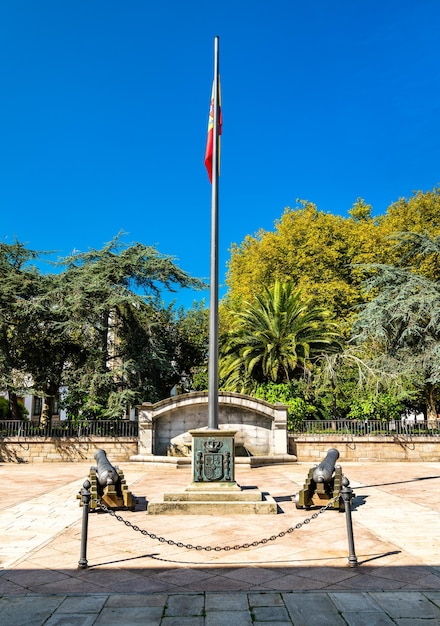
213 490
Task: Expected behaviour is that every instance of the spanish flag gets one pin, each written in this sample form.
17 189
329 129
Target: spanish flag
210 138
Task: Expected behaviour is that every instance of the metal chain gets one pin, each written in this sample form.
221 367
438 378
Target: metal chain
190 546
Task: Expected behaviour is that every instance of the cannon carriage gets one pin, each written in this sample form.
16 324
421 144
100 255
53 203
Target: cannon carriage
323 483
108 485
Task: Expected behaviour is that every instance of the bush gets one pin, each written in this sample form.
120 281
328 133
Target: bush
5 412
4 408
383 406
23 413
298 409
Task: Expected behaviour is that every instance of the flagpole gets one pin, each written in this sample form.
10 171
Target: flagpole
213 294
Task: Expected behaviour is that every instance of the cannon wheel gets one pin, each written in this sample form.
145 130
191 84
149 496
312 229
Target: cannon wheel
341 505
297 504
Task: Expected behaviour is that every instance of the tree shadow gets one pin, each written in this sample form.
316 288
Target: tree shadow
400 482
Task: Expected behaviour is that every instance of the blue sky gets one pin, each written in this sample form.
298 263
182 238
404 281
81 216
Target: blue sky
104 106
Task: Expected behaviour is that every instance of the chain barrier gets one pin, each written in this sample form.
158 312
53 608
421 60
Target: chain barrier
190 546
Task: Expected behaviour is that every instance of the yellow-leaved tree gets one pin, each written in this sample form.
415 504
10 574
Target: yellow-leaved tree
319 252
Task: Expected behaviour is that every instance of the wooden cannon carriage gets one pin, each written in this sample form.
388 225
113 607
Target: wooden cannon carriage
323 483
108 485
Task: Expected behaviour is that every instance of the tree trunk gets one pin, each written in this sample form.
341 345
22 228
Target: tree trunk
46 415
334 400
13 405
431 408
48 405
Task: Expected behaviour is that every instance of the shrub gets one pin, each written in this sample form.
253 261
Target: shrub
5 412
23 413
4 408
383 406
298 409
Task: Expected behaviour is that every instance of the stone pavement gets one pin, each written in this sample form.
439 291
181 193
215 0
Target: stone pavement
150 574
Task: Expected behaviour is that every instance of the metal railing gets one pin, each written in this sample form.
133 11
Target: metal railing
84 428
360 428
129 428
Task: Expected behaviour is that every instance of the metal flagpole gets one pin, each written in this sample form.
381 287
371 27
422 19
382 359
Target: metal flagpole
213 294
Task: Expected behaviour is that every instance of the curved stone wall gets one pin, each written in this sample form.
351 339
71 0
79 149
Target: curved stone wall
261 426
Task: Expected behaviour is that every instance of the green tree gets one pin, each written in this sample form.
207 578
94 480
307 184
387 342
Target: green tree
377 406
191 353
402 322
21 286
291 395
4 408
277 337
339 378
111 297
96 329
163 346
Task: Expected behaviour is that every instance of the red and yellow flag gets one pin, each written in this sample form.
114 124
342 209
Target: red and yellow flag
210 138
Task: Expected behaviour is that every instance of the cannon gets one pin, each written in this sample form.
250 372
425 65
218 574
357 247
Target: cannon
108 485
106 474
323 483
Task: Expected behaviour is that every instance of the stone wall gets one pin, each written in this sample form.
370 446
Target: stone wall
313 448
251 436
39 450
261 427
307 449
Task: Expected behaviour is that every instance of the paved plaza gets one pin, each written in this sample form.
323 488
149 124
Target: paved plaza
296 573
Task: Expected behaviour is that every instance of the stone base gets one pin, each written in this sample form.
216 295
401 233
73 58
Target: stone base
214 499
215 487
185 461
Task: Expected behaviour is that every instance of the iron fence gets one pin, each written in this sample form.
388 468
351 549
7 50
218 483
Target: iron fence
84 428
129 428
360 428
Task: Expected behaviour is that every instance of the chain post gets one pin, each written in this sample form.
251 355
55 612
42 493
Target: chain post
347 495
86 497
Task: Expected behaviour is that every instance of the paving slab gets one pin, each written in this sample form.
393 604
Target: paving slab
354 602
272 614
83 604
220 618
434 597
400 605
312 609
183 621
185 605
265 599
367 619
146 615
76 619
233 602
198 569
30 610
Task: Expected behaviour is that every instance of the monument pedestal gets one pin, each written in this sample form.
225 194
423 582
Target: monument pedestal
213 490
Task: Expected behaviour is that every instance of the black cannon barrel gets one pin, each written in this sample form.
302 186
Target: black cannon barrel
106 474
324 472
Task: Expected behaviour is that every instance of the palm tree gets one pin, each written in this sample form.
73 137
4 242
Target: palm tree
275 338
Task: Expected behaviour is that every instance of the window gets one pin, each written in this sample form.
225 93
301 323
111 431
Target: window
38 405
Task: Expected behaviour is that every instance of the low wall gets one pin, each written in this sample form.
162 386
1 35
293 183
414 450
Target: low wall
307 449
52 450
313 448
